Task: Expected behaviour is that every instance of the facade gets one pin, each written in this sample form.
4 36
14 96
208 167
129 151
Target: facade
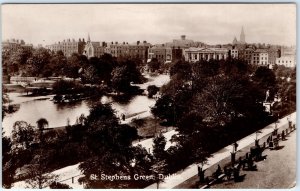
161 53
197 54
68 47
260 57
14 44
177 53
273 54
287 61
248 54
234 53
288 51
138 50
93 49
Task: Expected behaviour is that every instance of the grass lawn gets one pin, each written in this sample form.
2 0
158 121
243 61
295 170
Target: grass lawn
147 127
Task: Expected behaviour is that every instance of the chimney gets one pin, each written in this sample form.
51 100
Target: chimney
145 42
79 39
116 42
112 42
182 37
123 42
138 42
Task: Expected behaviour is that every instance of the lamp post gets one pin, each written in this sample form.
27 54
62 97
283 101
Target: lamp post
256 138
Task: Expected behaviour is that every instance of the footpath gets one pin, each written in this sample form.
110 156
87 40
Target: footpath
181 179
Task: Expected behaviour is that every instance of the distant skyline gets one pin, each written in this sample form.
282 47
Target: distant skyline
155 23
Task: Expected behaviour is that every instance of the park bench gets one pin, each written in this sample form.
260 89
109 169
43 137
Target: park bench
213 181
274 144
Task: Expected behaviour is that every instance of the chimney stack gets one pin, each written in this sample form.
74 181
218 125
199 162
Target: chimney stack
182 37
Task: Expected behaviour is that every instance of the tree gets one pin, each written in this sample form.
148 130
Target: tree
19 58
152 90
41 124
58 185
182 69
153 65
265 79
8 163
57 63
165 109
74 63
23 135
159 145
38 173
109 144
39 61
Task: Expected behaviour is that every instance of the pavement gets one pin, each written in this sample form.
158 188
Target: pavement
191 171
278 171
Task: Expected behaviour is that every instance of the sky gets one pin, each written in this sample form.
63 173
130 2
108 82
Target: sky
155 23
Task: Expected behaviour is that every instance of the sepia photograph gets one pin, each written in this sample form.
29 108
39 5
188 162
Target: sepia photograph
149 96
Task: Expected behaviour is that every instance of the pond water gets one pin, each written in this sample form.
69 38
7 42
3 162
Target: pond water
58 114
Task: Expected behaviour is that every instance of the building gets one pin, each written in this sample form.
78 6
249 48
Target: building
234 52
139 50
183 43
136 50
273 54
260 57
162 53
288 51
177 53
287 61
196 54
14 44
247 55
93 49
68 47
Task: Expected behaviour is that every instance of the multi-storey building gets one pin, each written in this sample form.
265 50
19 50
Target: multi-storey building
14 44
287 61
234 52
196 54
273 54
138 50
162 53
260 57
68 47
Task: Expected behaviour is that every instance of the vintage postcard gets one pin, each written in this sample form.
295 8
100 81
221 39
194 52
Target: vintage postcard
148 96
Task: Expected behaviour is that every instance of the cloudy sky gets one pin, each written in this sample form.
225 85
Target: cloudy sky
158 23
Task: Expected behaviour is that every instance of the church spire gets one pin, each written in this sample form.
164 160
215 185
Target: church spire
89 39
242 36
234 42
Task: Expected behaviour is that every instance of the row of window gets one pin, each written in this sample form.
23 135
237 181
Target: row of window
283 61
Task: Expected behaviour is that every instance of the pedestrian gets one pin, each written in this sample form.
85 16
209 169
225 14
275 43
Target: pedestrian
201 174
282 135
218 171
235 146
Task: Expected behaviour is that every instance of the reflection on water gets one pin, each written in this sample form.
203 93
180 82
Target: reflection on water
58 114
